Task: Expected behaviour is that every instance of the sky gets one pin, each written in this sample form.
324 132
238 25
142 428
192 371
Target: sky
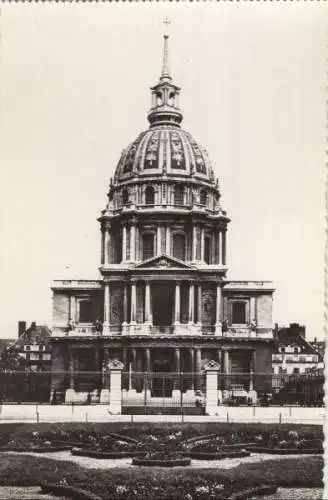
75 82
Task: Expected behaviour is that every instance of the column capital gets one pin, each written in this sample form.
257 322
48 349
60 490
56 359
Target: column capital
106 224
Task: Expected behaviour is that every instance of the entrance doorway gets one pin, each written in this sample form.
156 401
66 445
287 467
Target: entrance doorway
162 302
162 383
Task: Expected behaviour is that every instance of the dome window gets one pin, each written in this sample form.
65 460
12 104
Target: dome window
147 246
179 246
207 252
178 195
203 197
149 195
125 197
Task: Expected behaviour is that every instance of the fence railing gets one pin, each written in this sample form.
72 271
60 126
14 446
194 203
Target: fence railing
45 387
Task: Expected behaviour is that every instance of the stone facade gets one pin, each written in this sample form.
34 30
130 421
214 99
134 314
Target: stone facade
162 302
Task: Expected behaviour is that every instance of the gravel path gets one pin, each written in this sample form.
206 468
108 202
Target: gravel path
98 463
295 494
25 493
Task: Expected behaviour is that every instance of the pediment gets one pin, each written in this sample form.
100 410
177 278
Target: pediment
163 262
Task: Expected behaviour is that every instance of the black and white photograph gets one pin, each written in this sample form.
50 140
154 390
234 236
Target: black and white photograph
162 258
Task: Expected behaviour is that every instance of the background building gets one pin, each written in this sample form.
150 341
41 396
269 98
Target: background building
162 303
293 353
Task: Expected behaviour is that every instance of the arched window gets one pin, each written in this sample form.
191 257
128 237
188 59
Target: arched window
125 196
149 195
178 195
207 243
147 246
203 197
179 246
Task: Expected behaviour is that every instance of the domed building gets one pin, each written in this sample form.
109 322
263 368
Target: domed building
162 303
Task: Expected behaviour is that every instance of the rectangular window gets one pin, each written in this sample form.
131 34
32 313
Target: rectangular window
147 246
85 311
239 313
207 245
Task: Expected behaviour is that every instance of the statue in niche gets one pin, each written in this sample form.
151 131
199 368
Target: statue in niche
70 325
98 325
253 325
224 325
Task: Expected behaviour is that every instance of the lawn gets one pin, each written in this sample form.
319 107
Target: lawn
162 484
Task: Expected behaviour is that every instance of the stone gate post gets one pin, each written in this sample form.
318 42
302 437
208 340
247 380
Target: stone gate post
115 368
212 369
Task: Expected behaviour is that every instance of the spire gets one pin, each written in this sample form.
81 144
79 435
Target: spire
165 96
165 69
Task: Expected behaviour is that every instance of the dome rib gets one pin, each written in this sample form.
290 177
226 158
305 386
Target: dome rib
164 151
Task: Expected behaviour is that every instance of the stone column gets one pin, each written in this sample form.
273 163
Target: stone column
124 244
176 385
106 324
125 309
177 302
212 369
194 242
158 241
220 375
252 393
102 246
146 374
213 248
226 370
70 392
218 248
218 324
133 302
133 242
202 244
199 305
168 241
192 368
191 303
148 314
133 369
198 367
72 309
106 243
115 373
137 244
224 245
104 393
252 316
147 360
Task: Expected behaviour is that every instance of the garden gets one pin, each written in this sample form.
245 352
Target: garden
164 459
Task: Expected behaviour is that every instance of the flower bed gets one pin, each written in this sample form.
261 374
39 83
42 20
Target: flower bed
155 461
292 444
285 451
219 455
36 449
85 452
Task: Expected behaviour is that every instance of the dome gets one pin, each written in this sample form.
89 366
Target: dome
164 150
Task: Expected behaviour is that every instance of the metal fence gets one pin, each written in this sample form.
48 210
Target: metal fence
144 392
